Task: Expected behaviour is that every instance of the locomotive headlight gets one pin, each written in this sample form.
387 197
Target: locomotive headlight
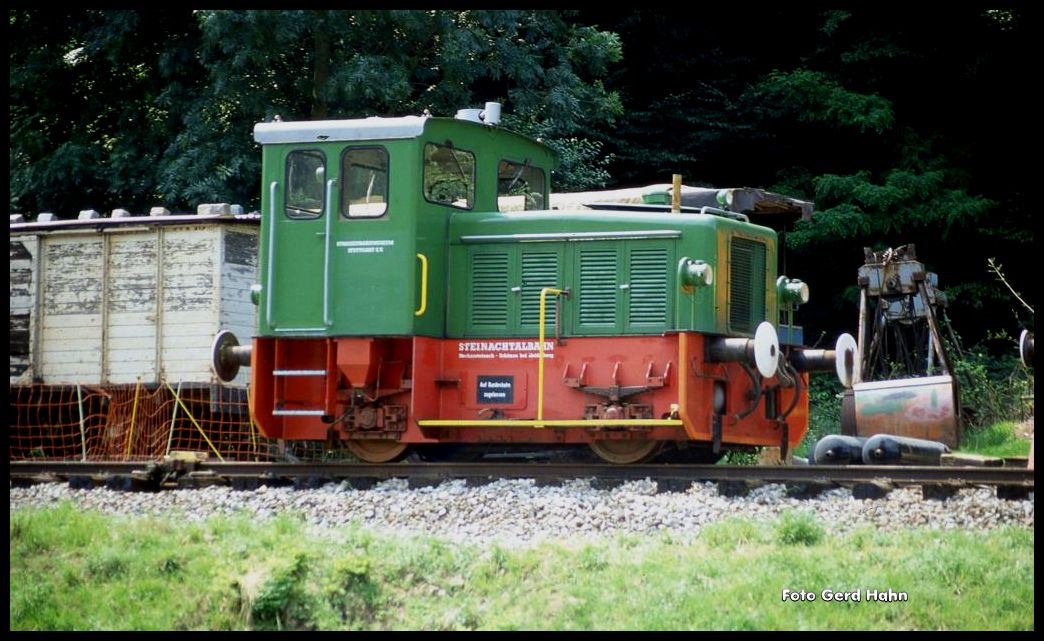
724 198
694 273
255 293
791 291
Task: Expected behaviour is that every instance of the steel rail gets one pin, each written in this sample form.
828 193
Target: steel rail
895 475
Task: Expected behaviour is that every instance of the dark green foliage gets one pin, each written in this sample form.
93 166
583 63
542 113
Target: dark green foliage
854 207
735 457
816 97
896 125
824 410
281 601
95 98
352 591
582 165
992 388
137 108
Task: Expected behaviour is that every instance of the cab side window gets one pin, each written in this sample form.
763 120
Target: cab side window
520 186
449 176
305 184
364 176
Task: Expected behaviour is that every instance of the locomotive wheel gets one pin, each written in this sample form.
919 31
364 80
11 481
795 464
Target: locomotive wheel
377 450
626 452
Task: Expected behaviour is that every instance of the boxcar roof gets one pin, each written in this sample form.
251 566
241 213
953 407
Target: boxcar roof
98 224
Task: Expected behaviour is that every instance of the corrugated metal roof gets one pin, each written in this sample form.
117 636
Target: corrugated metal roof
133 221
745 200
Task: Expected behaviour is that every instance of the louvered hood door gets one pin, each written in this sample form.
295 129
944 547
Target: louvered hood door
504 290
623 288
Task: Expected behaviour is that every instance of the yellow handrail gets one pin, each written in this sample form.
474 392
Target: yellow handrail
424 285
540 350
567 422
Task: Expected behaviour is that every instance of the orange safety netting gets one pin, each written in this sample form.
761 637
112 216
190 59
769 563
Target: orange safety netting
133 422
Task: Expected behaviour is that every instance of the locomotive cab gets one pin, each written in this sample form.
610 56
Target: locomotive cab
357 214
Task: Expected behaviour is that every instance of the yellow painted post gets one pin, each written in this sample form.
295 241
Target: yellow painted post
250 416
173 417
83 435
134 413
540 351
676 186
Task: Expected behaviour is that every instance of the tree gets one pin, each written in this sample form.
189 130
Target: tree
897 125
345 64
137 108
94 100
911 149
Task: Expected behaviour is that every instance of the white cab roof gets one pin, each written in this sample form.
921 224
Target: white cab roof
373 128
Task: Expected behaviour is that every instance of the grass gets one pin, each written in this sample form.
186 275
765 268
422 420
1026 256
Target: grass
74 570
999 439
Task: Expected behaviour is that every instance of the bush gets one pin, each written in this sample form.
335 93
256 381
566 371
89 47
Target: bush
824 410
799 528
352 589
992 388
740 457
275 598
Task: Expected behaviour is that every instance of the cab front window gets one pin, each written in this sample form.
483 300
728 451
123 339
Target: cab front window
449 176
520 186
364 176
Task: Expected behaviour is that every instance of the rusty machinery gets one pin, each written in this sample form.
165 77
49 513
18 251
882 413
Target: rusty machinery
904 383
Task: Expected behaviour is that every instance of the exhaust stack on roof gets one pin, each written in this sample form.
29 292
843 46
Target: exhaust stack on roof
490 115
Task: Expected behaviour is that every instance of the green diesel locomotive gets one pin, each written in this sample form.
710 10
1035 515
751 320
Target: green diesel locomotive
400 306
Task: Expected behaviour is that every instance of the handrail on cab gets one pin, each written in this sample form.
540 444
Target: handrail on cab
424 285
271 251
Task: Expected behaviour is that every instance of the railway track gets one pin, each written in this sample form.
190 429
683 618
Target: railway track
866 481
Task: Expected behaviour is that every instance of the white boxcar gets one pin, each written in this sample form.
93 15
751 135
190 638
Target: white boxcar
121 300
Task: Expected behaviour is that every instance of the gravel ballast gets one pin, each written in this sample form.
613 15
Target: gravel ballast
520 511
